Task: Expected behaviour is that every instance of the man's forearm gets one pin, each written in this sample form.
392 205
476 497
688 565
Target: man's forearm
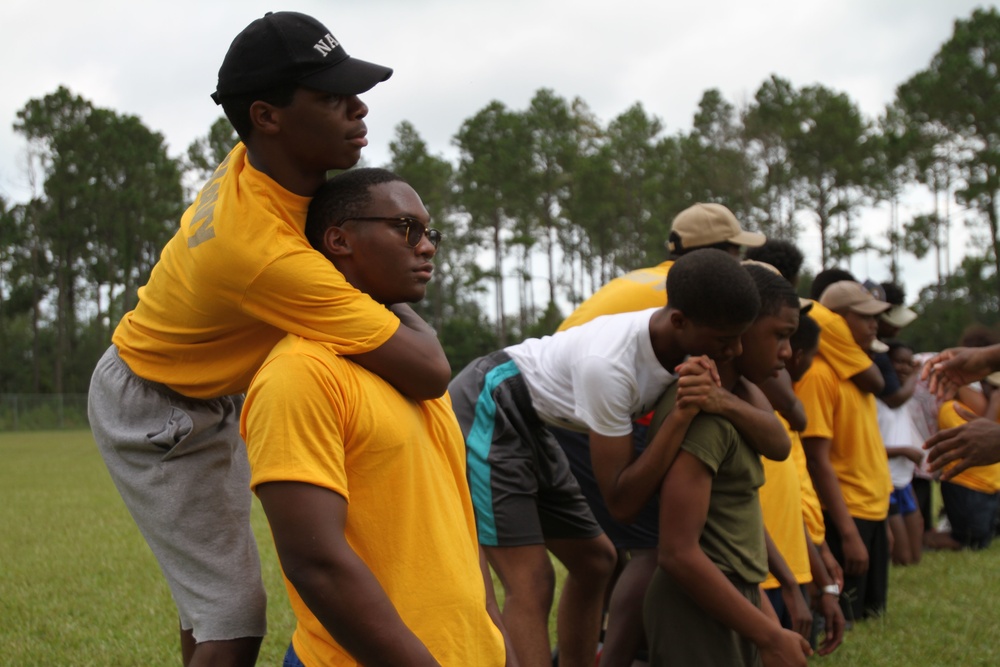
827 487
412 360
869 380
760 428
348 600
716 594
777 565
781 394
638 480
820 574
409 318
903 394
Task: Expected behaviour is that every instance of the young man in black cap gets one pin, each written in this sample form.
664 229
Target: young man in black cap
165 399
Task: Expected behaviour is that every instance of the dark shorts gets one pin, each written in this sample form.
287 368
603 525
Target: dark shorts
922 492
640 534
902 501
291 658
864 595
971 514
522 488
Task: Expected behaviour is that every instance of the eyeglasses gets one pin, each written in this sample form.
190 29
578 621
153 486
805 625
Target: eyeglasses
414 229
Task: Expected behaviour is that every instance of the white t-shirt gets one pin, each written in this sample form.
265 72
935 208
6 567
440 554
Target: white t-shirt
897 429
598 376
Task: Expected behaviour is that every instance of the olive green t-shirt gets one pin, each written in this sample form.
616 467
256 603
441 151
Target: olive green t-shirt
733 537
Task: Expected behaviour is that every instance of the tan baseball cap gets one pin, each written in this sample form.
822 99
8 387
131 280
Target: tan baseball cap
899 316
707 224
852 296
878 347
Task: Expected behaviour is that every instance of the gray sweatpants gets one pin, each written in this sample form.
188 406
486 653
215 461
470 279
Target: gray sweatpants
181 467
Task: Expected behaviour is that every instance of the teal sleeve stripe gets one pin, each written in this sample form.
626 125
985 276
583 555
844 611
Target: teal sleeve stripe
478 444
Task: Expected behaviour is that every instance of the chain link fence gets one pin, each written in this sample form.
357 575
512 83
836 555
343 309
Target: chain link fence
42 412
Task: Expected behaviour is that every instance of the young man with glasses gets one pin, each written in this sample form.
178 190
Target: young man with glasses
165 398
364 488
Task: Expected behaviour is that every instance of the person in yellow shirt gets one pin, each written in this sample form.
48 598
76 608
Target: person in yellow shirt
365 489
821 574
165 398
847 460
836 343
971 497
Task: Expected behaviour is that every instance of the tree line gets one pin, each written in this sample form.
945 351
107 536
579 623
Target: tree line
548 185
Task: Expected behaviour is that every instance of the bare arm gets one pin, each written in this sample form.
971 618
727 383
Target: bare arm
903 394
915 454
781 395
412 360
828 489
746 409
626 484
684 499
869 380
754 418
827 603
791 593
307 523
830 561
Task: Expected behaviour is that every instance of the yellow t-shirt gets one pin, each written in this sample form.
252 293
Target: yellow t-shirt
637 290
985 479
781 503
236 276
838 410
812 510
836 344
312 416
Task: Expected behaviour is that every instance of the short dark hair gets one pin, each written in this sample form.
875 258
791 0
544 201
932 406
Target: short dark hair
825 278
343 197
806 337
712 289
782 255
775 292
237 107
894 293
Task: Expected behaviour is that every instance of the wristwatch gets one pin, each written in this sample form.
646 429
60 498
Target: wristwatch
831 589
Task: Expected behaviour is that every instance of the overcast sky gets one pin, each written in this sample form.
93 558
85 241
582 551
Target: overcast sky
160 60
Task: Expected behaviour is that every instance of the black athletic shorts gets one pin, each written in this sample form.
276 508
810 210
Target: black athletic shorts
522 488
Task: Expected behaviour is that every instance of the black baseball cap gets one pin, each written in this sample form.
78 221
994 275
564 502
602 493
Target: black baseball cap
289 47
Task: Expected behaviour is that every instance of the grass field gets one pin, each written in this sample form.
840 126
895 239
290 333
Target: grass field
78 586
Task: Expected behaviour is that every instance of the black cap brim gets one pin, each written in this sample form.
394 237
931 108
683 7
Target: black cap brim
348 77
